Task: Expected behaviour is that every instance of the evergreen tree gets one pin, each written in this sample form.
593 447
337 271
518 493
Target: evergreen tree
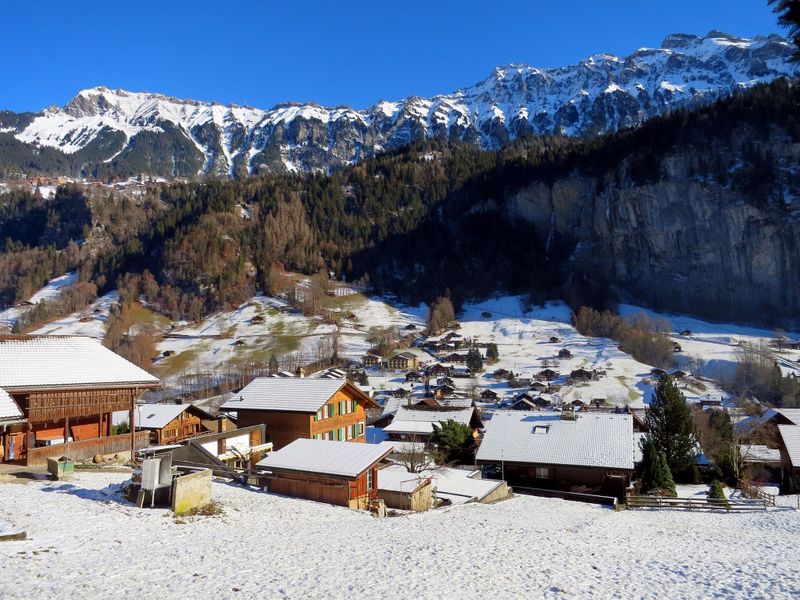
656 476
474 360
715 490
492 353
669 420
363 379
453 438
788 12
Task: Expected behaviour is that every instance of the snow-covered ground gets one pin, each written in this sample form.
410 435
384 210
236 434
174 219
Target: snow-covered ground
85 541
48 292
263 326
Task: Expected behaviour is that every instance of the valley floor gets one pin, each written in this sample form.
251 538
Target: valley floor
85 541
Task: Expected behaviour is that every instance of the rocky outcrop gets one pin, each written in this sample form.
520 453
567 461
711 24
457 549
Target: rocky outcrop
681 244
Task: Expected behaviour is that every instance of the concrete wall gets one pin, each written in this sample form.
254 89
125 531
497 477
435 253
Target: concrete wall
191 491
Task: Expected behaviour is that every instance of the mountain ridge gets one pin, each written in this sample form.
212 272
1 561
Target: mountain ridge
117 132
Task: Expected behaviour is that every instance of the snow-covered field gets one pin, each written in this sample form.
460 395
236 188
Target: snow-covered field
85 541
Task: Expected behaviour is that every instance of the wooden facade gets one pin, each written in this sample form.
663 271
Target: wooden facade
353 493
72 422
341 418
184 426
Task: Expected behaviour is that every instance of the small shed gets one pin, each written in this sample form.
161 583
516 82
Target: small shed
405 491
341 473
564 353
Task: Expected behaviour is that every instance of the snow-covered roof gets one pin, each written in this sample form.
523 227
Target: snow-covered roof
590 440
790 434
51 361
392 479
157 416
293 395
345 459
410 420
8 408
759 454
793 414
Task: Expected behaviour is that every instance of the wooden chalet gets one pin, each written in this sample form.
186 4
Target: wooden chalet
456 357
538 386
571 452
63 393
547 374
402 361
489 395
501 373
581 375
438 370
564 353
295 408
414 376
325 471
371 360
171 423
553 339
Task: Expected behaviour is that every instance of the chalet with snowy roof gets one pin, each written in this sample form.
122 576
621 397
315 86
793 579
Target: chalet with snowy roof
403 361
489 395
547 375
789 439
456 357
170 423
66 389
438 370
322 409
416 424
561 451
538 386
501 373
415 376
564 353
581 375
371 360
325 471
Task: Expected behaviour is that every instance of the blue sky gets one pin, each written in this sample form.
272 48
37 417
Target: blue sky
336 52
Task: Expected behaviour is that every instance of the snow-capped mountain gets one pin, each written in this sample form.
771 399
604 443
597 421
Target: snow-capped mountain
115 131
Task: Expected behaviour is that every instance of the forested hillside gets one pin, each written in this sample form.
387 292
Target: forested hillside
637 213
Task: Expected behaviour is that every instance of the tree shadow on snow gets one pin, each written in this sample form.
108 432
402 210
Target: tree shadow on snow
107 495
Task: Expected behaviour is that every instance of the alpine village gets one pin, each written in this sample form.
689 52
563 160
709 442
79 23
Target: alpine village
536 337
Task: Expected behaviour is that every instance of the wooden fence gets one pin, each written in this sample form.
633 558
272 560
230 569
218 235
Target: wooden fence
751 491
695 503
87 448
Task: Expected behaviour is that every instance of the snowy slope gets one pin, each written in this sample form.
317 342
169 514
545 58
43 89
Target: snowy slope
598 94
312 550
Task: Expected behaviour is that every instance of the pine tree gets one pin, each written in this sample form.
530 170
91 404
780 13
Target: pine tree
669 421
474 360
491 352
656 476
715 490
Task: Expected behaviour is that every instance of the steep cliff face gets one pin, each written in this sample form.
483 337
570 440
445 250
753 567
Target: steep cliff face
687 242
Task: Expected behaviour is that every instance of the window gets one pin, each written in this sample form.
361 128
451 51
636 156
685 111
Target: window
341 434
369 479
353 405
542 473
361 428
349 432
342 407
317 415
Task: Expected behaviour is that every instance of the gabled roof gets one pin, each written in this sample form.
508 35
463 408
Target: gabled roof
591 440
158 416
419 420
61 362
790 435
792 414
343 459
8 408
759 454
290 394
